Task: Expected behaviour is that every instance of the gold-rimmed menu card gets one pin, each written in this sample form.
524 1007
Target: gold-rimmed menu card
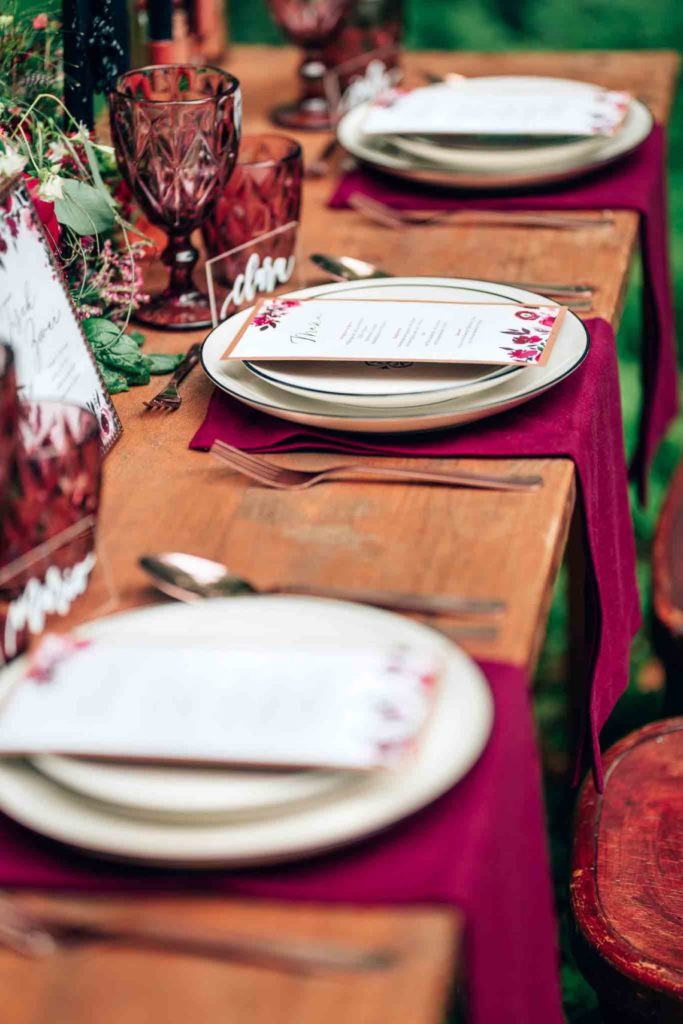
390 329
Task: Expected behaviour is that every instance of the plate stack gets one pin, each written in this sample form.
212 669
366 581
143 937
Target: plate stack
393 397
207 817
495 161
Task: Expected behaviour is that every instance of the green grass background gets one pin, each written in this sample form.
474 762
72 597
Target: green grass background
559 24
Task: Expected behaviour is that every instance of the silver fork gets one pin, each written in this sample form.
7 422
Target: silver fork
282 479
169 397
389 217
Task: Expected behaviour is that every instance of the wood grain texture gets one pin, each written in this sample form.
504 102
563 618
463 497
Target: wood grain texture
158 495
627 883
111 983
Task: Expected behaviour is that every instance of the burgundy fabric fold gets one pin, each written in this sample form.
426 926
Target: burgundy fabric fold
580 419
638 183
481 847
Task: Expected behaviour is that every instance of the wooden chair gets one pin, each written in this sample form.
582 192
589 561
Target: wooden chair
627 879
667 587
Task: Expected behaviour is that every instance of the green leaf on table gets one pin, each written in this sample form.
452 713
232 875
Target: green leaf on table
161 363
114 382
137 336
114 348
83 208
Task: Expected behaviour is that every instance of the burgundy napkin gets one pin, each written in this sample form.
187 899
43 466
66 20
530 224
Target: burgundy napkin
480 847
579 418
638 183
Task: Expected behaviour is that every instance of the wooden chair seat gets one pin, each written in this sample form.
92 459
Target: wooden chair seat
627 878
667 587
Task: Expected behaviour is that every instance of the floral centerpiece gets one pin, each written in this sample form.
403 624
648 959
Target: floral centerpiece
82 203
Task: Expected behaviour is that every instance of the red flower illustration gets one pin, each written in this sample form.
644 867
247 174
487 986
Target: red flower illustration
526 314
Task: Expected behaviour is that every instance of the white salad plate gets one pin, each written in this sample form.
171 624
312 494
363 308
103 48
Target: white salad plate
494 168
568 352
451 741
387 385
176 794
487 155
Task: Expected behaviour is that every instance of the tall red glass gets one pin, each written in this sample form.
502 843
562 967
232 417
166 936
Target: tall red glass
263 194
176 130
48 528
311 24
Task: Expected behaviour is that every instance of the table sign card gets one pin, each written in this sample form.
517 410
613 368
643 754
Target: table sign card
190 702
463 108
262 266
397 330
38 319
362 78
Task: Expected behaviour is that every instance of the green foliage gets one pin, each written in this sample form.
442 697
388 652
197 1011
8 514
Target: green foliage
119 356
84 208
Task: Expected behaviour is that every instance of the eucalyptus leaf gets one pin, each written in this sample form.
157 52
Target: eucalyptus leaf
161 363
83 208
95 171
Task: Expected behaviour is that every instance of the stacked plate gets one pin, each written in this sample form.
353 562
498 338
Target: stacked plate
202 818
489 162
393 397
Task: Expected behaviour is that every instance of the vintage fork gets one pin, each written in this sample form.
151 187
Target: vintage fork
298 479
168 397
389 217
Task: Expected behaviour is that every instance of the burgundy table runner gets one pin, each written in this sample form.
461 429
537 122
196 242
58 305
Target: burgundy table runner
580 419
481 847
638 182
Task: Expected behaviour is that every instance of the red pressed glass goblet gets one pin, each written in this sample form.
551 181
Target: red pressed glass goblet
49 524
176 131
263 194
311 24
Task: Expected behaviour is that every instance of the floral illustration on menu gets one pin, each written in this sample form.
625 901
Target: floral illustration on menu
271 314
530 342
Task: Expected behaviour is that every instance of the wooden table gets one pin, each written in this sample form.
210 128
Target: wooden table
160 496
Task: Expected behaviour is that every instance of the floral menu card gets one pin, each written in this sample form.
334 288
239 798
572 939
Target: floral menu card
464 107
390 329
183 701
38 319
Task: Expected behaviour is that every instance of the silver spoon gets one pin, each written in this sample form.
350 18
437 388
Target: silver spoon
190 578
348 268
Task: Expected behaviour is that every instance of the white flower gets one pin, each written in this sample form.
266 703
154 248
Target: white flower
11 162
51 188
56 152
6 20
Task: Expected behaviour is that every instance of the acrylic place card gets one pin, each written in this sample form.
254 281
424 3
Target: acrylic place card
397 330
465 108
188 702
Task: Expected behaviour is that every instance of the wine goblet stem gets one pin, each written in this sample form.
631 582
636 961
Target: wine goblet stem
180 256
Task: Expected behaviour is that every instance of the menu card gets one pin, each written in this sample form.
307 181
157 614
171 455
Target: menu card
463 107
185 702
400 330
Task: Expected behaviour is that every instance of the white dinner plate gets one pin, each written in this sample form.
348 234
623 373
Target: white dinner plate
387 385
176 794
493 169
452 740
487 156
569 350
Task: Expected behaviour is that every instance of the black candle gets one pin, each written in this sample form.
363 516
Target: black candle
76 26
160 19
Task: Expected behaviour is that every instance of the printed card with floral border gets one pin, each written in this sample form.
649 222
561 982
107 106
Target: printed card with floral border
422 330
39 320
